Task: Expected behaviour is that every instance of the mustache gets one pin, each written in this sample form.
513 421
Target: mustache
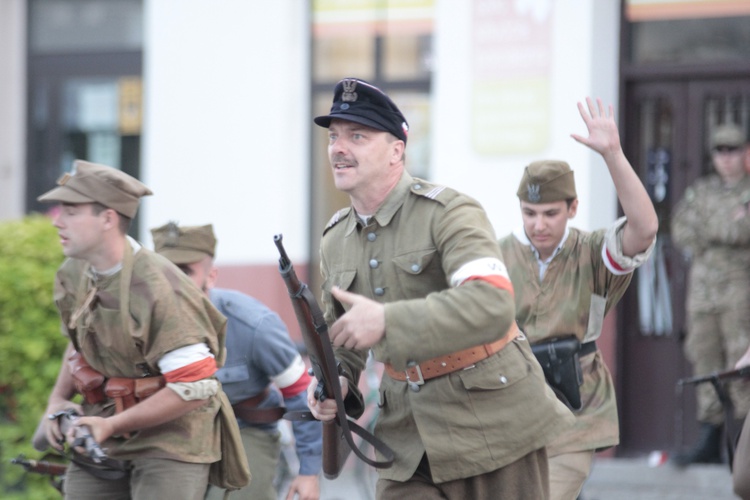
343 159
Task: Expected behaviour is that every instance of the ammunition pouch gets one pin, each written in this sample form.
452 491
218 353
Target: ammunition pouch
561 364
127 392
88 382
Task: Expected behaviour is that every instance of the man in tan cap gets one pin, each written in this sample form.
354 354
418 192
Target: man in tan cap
259 354
412 271
566 280
165 347
711 225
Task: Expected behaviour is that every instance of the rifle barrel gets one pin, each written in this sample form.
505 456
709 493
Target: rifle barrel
284 261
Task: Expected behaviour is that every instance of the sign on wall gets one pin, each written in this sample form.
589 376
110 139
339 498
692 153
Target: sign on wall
511 46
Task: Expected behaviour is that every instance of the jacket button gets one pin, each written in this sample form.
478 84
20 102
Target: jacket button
415 267
414 386
379 291
503 380
374 264
372 236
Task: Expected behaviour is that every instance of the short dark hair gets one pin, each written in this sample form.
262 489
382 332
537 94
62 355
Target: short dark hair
124 220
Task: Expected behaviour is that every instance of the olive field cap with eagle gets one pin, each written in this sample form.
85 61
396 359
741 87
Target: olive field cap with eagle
547 181
184 244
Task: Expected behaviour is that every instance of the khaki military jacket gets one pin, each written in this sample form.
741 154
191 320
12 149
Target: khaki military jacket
468 422
166 311
561 305
711 223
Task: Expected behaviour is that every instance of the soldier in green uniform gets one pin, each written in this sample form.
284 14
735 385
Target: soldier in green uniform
566 280
412 271
712 226
169 339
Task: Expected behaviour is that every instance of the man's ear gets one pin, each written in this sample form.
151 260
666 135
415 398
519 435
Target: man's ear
397 151
211 278
111 218
573 209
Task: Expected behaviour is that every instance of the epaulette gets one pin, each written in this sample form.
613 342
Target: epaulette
341 214
432 191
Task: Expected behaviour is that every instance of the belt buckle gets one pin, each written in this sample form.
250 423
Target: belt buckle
414 384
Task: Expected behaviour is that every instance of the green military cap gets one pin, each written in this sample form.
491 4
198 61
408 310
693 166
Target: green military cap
90 182
728 135
547 181
184 244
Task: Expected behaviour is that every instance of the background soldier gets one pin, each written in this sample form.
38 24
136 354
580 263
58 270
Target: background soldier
259 352
566 280
712 226
170 333
413 271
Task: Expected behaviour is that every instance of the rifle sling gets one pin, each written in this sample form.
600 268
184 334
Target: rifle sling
347 426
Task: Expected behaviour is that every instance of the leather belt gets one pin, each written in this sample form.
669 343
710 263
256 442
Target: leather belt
587 348
450 363
248 410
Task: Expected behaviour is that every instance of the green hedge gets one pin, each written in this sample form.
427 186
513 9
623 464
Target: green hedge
31 346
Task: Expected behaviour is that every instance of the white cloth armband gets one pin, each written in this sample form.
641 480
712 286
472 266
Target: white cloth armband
612 254
200 389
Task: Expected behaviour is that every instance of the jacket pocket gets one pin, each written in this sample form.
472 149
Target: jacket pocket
498 372
418 272
341 279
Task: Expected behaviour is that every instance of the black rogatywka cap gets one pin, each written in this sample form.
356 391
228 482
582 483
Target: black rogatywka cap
357 101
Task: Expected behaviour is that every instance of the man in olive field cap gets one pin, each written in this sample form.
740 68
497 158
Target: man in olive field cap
566 280
712 227
412 272
137 320
259 353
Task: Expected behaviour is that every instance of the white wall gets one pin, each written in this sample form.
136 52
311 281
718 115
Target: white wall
584 62
226 127
12 108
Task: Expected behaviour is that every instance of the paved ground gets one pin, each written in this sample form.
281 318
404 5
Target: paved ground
611 479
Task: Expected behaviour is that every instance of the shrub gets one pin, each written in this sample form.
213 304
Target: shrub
31 346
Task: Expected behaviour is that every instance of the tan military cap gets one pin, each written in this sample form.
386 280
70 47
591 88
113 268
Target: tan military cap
547 181
728 135
90 182
184 244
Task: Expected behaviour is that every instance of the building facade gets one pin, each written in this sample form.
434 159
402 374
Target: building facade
211 104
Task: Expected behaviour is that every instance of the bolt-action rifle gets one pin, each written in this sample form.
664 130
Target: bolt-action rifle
726 375
54 470
83 437
337 434
717 380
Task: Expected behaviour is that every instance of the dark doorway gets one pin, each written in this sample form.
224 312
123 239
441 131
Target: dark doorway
84 89
666 129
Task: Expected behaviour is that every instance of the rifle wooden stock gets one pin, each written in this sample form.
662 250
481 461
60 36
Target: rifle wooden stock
40 466
337 433
725 375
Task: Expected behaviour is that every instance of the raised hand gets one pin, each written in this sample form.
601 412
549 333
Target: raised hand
604 138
